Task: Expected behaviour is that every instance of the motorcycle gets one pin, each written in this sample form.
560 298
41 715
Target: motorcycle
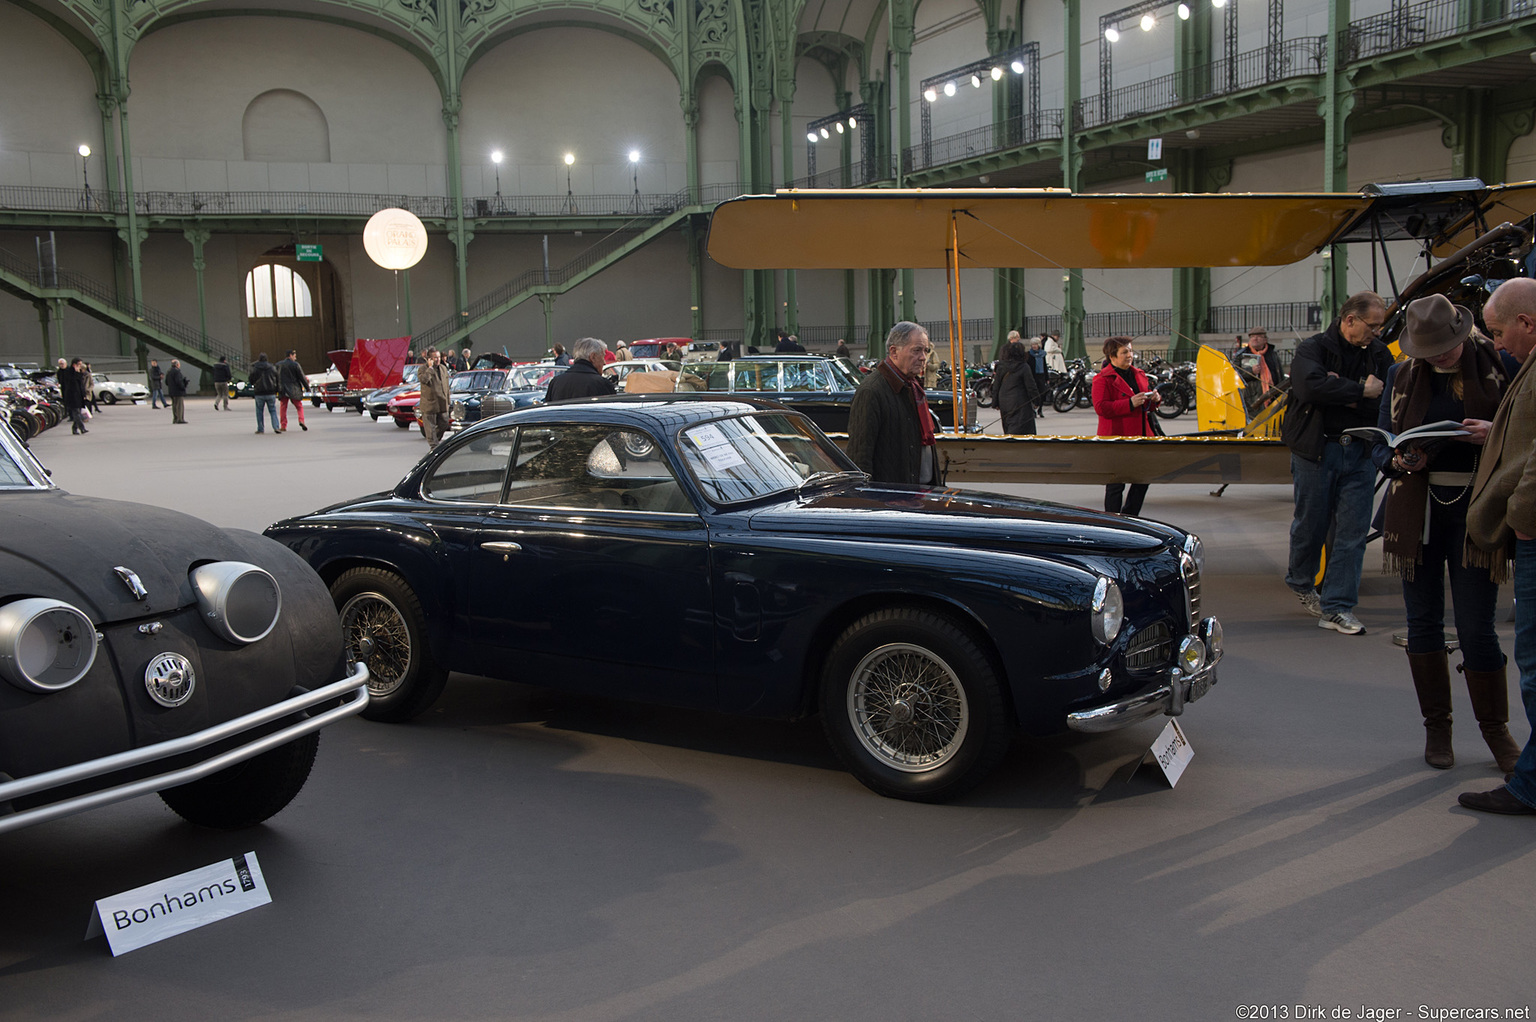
1074 389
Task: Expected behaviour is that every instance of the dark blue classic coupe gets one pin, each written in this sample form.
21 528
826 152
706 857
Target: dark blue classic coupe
925 625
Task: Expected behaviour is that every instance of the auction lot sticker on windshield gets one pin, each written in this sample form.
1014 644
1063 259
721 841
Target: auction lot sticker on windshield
177 904
717 450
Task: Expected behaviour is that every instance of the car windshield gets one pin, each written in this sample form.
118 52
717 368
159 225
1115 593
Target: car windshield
753 456
19 470
475 379
408 375
845 373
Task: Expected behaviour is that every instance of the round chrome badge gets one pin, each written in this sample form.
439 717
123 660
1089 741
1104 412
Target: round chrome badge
169 679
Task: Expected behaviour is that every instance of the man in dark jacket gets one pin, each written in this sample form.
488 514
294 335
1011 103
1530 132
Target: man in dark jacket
1336 384
176 387
157 385
291 382
263 378
585 376
890 431
71 381
221 379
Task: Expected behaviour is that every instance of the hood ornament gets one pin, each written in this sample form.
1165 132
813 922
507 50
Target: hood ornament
132 582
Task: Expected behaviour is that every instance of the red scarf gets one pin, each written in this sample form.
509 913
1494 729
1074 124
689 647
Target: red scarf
915 391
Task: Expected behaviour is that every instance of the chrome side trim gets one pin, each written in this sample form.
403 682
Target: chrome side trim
354 688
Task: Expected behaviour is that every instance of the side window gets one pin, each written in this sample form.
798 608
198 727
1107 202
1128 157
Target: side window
802 376
592 466
475 472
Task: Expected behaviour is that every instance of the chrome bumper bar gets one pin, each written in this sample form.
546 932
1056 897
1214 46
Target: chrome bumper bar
353 689
1167 697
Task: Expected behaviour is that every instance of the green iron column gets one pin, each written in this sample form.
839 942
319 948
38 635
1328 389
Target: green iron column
695 240
1071 163
1480 138
111 186
1338 101
901 12
786 94
1191 284
199 238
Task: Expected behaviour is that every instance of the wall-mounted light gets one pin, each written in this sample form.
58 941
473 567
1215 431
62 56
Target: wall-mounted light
1148 22
853 122
975 81
997 74
1183 12
949 88
1112 34
810 136
839 127
931 95
825 133
1018 67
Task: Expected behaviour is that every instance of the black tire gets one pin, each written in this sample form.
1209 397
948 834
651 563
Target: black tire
402 423
376 415
1173 401
315 402
1066 397
107 398
1085 394
247 793
913 706
983 391
403 678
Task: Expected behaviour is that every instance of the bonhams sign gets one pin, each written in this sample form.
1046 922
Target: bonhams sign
177 904
395 239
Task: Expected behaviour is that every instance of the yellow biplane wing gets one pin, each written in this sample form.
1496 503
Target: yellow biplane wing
1029 228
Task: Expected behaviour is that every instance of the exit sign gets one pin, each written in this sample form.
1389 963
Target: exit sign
1161 174
311 253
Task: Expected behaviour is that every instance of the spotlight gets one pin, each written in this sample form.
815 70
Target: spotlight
84 151
930 95
949 88
997 74
1112 34
839 127
975 81
634 156
810 136
1183 12
570 158
1192 133
1218 4
1148 22
853 122
1018 65
825 133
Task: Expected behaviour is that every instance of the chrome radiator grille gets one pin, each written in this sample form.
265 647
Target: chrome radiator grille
1150 648
1191 575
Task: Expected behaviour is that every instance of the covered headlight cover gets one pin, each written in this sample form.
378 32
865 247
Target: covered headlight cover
1108 610
45 645
239 601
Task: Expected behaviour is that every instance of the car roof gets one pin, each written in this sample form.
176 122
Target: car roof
769 356
669 411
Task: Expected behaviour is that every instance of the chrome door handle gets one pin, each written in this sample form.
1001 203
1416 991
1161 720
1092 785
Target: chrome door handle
502 548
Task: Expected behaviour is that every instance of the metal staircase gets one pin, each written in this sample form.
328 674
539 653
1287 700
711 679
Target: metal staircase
25 280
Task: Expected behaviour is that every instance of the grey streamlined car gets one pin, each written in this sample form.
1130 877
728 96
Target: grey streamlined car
145 650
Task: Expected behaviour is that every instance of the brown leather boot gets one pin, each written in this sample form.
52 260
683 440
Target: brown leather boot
1432 681
1490 703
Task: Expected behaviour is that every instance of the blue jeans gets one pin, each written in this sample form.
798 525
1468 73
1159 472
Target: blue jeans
1523 784
1474 596
1335 492
269 402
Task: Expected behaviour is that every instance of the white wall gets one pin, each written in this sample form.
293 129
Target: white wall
47 106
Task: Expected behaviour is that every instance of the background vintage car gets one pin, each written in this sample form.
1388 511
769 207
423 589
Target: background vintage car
818 385
517 386
924 624
376 402
109 391
145 650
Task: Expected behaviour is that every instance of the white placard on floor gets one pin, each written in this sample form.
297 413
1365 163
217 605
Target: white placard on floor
177 904
1172 752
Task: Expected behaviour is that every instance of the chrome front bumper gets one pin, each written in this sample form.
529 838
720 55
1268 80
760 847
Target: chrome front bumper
353 689
1165 696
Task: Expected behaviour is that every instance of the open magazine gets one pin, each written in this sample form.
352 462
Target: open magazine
1446 429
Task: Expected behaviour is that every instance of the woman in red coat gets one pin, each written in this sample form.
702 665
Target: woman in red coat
1124 401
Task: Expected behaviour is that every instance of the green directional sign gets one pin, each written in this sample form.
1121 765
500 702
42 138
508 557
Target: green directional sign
311 253
1161 174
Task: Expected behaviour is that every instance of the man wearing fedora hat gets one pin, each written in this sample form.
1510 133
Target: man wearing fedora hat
1503 517
1336 384
1447 376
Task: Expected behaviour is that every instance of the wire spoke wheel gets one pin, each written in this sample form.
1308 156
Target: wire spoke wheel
907 707
376 633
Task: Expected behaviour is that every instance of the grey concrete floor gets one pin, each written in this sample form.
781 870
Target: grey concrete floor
522 854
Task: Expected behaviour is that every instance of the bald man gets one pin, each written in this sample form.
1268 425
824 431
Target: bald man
1503 517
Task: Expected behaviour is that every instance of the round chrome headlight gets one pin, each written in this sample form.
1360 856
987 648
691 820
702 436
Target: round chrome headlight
1196 550
45 645
1191 655
1108 611
239 601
